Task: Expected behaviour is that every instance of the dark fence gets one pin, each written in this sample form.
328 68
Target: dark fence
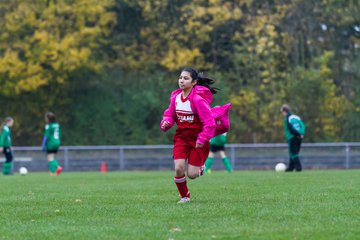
159 157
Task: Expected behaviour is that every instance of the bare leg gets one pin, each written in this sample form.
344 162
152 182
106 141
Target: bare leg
193 171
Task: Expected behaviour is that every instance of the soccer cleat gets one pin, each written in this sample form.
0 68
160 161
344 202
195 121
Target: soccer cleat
202 170
184 200
208 171
58 170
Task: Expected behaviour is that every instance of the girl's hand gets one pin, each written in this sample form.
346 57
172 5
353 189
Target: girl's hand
164 125
198 145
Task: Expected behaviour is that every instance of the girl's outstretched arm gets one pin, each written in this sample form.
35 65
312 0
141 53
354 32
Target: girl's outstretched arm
168 118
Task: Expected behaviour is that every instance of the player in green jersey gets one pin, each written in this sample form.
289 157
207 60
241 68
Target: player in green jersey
5 145
294 133
217 144
51 143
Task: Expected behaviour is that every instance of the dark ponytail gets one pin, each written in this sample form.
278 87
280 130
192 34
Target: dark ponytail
201 79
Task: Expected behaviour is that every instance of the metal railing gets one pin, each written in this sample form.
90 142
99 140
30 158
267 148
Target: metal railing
159 157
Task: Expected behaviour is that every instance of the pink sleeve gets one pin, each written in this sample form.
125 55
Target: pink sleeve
221 116
168 116
204 112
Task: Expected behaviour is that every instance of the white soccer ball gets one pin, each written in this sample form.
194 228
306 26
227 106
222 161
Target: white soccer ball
280 167
23 171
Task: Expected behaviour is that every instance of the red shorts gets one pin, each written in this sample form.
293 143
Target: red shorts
184 147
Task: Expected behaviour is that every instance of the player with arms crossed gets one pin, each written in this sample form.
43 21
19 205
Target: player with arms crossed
51 143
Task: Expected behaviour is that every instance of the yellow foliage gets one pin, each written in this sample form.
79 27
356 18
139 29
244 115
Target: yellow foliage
244 99
11 65
90 31
53 39
175 43
265 74
30 83
180 57
107 22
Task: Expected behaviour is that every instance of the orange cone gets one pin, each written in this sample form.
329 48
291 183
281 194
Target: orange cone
103 167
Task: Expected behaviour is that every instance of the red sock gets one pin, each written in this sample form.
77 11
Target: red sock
182 186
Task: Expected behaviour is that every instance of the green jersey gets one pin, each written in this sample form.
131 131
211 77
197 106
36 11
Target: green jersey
219 140
293 126
52 134
5 138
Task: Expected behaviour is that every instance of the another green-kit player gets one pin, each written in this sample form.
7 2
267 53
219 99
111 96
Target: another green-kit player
217 144
294 130
51 143
5 145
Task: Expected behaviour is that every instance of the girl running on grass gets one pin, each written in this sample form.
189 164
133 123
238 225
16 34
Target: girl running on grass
190 109
51 143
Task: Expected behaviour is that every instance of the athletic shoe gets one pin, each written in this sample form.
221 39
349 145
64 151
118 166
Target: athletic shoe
208 171
202 170
184 200
58 170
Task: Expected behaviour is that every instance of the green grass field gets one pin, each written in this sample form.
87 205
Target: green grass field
142 205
